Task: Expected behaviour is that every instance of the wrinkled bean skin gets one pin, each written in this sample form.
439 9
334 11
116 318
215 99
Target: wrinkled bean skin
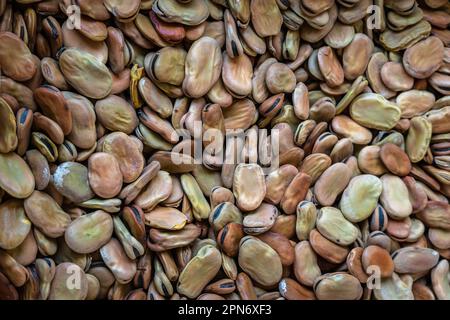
225 150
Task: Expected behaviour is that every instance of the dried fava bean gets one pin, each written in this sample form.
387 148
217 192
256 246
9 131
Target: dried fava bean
300 101
152 139
8 136
439 279
158 190
266 17
132 247
417 195
424 58
237 75
117 261
395 288
356 56
259 261
229 237
151 120
340 35
25 117
199 271
93 287
354 264
116 114
131 191
332 225
121 9
155 98
295 192
46 269
47 246
277 181
337 286
394 76
201 75
240 115
219 195
394 197
16 59
438 119
360 198
177 195
71 180
245 287
279 78
322 110
281 244
394 137
260 220
104 175
127 153
315 164
224 213
422 292
374 111
46 214
379 220
83 134
165 218
399 229
200 205
233 44
375 256
331 183
344 126
396 41
292 290
167 65
260 91
89 232
439 238
85 73
306 219
358 86
20 92
249 186
46 146
48 127
306 268
330 67
104 276
190 13
415 102
381 239
67 152
59 289
395 159
108 205
327 249
16 177
207 179
75 39
414 259
14 223
418 139
164 240
352 13
417 230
